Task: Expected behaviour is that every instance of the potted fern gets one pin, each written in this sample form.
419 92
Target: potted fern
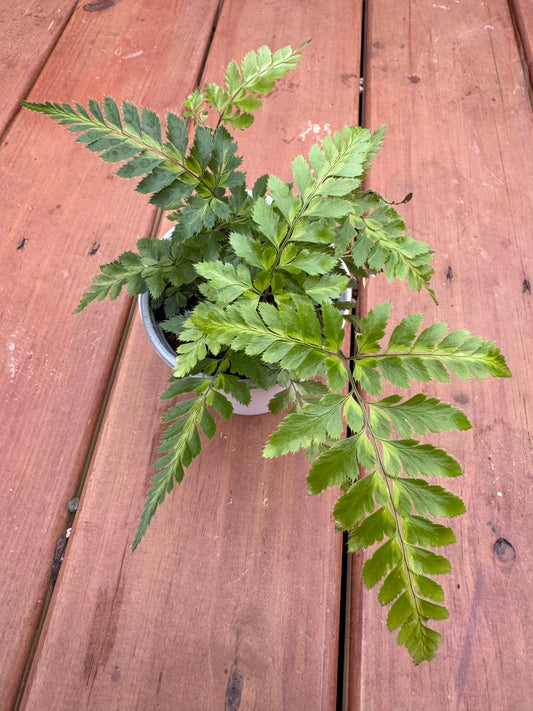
251 289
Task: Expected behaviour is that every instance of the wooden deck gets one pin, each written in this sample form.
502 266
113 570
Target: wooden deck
234 600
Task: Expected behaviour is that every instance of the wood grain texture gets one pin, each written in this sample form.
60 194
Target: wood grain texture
63 214
28 33
313 101
522 12
447 79
219 589
232 599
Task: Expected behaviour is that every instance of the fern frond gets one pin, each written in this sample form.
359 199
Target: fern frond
181 442
428 355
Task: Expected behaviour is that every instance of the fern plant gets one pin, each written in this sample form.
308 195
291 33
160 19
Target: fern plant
252 288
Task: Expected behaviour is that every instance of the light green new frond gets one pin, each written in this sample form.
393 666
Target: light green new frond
459 352
424 498
245 84
420 414
373 528
335 466
314 425
413 458
289 336
373 327
229 282
431 355
359 499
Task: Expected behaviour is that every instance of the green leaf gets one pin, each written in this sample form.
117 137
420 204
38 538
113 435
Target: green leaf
396 581
333 326
234 386
132 120
140 165
353 415
426 359
425 498
177 132
419 414
384 559
366 453
160 177
432 611
302 175
373 528
353 505
151 126
426 533
416 458
282 400
182 444
326 287
313 426
429 588
336 465
328 207
314 263
112 113
267 220
373 328
420 641
405 332
250 250
220 403
401 610
230 282
422 560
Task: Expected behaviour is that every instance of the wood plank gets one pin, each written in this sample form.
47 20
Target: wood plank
28 33
58 225
447 80
232 598
522 12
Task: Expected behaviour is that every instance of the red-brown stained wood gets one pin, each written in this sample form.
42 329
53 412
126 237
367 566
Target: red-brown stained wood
28 32
232 599
64 214
522 12
447 79
235 578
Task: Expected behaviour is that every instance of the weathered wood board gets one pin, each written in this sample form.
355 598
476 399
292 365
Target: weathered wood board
28 33
232 598
447 79
62 215
522 13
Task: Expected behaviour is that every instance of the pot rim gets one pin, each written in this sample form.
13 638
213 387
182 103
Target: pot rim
154 330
